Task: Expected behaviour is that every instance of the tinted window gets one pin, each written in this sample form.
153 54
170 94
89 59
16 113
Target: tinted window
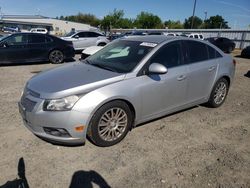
82 34
196 36
211 52
92 34
169 55
197 51
17 40
37 39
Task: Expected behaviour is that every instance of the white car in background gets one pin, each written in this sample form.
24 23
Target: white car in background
90 51
84 39
196 36
39 30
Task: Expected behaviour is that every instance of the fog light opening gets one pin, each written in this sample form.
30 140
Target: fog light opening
59 132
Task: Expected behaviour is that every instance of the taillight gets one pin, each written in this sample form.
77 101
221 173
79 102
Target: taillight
234 62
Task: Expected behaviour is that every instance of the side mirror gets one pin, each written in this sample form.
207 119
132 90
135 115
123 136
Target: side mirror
76 36
156 68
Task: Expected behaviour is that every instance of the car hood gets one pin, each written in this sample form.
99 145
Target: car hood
74 78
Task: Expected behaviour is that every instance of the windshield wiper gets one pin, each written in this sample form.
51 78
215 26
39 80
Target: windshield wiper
103 67
87 61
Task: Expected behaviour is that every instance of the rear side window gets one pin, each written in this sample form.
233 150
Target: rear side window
169 55
212 53
197 51
37 39
82 34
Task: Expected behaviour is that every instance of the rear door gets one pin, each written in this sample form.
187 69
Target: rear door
14 49
37 47
201 70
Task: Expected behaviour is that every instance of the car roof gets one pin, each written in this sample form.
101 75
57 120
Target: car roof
149 38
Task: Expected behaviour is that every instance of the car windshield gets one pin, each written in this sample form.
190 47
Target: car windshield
70 34
121 56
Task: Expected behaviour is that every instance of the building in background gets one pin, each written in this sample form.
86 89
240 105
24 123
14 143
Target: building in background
25 23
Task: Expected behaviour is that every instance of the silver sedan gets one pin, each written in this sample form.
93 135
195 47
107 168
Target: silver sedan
128 82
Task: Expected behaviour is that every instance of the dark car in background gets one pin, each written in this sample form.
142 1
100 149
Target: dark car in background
246 52
225 44
34 47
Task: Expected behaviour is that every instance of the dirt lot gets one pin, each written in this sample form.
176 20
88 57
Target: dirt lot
200 147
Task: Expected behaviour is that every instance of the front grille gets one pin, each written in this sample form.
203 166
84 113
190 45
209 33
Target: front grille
28 104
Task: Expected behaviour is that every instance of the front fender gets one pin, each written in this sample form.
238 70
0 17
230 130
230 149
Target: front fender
92 101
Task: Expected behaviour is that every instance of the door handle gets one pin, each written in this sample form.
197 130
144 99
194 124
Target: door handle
182 77
211 68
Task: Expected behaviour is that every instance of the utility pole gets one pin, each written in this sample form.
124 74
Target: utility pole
192 24
205 16
205 24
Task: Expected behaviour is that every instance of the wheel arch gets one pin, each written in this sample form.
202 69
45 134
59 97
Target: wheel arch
227 78
129 103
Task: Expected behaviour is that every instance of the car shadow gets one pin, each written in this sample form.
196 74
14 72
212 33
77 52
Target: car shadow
242 57
80 179
247 74
86 179
35 63
20 182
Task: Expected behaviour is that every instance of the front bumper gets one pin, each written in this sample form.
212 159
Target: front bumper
37 119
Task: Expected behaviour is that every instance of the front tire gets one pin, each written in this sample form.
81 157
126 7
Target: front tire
110 124
56 56
219 93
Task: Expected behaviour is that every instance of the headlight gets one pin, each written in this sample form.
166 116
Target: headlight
60 104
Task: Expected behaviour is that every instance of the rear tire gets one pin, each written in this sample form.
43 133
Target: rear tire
56 57
219 93
110 124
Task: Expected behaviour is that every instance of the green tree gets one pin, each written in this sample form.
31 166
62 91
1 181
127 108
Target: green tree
146 20
188 22
114 19
173 24
215 22
83 18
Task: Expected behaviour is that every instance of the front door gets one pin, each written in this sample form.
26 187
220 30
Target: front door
14 49
163 93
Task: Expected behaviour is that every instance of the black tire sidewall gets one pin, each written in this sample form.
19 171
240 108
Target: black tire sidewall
211 102
56 62
93 126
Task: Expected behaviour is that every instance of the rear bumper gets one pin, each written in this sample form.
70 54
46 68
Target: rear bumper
69 53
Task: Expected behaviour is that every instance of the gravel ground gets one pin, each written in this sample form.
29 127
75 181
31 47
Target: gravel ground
199 147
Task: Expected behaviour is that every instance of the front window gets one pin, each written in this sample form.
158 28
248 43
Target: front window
17 40
121 56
